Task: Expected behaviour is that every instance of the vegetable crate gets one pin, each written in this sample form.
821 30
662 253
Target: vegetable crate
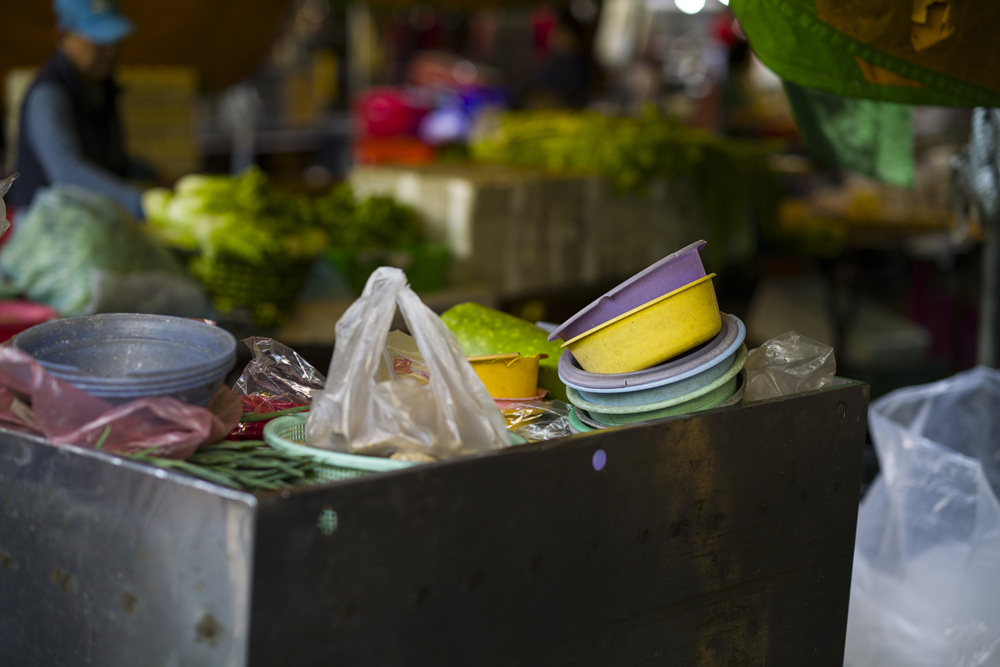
265 294
520 231
723 537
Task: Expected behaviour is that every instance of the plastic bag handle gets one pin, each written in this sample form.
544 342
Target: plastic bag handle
364 330
7 182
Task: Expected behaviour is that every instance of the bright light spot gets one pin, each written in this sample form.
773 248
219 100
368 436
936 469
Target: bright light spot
724 2
690 6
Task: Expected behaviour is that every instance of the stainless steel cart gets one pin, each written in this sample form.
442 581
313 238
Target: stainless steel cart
719 538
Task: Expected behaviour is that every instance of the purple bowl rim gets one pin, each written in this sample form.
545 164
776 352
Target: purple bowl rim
614 291
681 367
666 296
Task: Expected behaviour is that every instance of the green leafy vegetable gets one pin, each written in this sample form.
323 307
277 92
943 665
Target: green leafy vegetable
251 243
80 252
248 218
239 216
374 222
730 178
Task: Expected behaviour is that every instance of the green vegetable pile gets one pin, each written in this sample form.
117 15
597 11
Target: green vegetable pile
248 465
238 216
247 217
482 330
730 178
251 243
81 253
373 222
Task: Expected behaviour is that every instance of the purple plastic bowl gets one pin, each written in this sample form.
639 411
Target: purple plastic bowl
672 272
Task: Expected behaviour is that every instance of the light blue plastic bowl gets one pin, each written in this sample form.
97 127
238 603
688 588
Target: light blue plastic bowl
709 395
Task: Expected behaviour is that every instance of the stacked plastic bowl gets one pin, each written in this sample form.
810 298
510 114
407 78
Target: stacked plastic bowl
654 346
124 356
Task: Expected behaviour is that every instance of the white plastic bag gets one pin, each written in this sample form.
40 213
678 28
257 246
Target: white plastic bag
451 415
927 556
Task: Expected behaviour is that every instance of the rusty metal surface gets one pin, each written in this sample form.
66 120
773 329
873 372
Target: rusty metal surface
105 562
721 538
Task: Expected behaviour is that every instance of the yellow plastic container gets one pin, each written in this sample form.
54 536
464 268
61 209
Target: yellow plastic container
652 333
508 375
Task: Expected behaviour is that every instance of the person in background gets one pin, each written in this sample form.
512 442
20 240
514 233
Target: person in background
563 79
70 132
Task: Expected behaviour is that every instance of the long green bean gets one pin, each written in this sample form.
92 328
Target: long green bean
264 416
250 465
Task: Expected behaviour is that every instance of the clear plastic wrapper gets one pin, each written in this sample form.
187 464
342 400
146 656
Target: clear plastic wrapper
788 364
276 371
450 415
276 380
536 420
33 400
927 554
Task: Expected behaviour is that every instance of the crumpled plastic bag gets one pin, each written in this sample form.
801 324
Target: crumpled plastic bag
536 420
788 364
450 415
31 399
81 253
927 554
277 378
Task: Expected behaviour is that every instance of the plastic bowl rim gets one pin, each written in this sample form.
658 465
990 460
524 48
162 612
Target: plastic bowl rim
648 304
729 352
738 363
625 287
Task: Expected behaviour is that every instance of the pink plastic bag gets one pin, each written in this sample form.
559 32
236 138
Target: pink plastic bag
32 399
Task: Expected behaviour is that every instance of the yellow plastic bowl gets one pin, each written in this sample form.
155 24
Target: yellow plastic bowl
508 375
652 333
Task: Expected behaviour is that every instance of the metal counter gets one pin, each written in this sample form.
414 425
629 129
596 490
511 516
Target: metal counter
724 537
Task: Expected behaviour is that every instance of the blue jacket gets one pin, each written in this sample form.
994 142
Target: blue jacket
67 137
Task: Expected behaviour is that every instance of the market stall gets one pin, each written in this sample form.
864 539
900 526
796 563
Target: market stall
722 536
471 486
453 483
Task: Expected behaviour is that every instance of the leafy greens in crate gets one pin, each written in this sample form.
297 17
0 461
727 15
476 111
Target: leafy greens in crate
247 217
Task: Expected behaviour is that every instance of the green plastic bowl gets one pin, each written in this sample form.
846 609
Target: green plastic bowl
710 396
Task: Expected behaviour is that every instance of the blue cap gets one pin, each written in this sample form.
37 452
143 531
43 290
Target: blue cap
100 21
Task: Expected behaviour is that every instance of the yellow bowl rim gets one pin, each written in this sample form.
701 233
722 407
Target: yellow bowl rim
506 357
635 310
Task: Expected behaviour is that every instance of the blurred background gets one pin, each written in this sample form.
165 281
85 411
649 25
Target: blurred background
550 150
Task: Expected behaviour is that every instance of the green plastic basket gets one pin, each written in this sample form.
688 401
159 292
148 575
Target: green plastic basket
266 292
288 434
